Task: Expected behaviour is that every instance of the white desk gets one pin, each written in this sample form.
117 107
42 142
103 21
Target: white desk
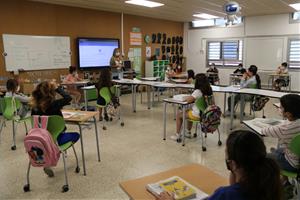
286 77
150 78
77 83
258 124
184 105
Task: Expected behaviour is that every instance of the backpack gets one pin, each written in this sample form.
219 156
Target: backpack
39 145
210 119
259 103
115 101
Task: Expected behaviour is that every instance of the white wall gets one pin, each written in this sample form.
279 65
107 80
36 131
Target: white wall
268 27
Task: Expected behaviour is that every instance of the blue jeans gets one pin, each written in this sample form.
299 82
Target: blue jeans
278 156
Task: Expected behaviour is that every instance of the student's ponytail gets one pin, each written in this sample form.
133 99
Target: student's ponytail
260 174
258 81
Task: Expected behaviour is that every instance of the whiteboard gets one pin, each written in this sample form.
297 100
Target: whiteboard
265 53
29 52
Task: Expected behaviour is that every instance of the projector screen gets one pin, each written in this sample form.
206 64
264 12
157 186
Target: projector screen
95 52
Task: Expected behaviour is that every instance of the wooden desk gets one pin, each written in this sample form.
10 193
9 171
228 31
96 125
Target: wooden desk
195 174
80 118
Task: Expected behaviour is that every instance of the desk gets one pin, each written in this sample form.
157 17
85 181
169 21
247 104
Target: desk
150 78
179 80
273 75
258 124
80 118
77 83
195 174
184 105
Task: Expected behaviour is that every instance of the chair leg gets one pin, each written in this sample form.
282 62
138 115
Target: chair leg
77 169
219 138
26 127
65 187
26 187
14 147
1 127
196 130
203 142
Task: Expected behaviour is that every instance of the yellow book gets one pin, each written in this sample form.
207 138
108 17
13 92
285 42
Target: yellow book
175 185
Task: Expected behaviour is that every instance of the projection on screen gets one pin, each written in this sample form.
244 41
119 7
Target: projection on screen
95 52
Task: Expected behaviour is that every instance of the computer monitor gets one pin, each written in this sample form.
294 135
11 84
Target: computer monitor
127 64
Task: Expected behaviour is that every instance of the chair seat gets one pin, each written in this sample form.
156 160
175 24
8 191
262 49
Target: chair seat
289 174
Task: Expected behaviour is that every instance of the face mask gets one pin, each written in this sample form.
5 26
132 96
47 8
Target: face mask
117 54
18 88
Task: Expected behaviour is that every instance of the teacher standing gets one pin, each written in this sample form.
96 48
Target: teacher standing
116 64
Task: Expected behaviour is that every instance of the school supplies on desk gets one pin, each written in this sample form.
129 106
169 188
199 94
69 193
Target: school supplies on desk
262 123
175 185
180 97
73 115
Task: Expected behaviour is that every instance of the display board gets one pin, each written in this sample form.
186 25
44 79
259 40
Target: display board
29 52
266 53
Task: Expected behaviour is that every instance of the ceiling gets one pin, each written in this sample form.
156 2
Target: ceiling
182 10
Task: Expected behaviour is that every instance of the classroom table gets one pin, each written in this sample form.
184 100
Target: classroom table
274 75
77 83
258 124
197 175
80 118
183 104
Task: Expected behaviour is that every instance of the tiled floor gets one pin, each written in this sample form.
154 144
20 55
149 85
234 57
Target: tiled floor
128 152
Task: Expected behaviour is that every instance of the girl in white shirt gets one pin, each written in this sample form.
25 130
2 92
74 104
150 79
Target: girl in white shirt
202 88
281 80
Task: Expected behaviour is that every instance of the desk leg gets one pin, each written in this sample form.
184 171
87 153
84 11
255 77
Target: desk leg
85 100
135 88
153 94
225 98
82 149
231 111
183 123
242 107
148 96
132 98
165 120
97 138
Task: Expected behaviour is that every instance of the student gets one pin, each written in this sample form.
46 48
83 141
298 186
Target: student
202 88
13 88
281 81
253 176
116 63
240 69
213 74
250 79
44 103
104 81
191 76
285 133
73 77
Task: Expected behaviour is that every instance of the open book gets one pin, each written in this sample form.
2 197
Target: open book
175 185
262 123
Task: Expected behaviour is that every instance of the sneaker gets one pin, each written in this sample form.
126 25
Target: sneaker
48 171
175 136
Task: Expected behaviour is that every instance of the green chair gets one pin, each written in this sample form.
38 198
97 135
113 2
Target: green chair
105 93
294 147
202 104
91 97
11 106
55 126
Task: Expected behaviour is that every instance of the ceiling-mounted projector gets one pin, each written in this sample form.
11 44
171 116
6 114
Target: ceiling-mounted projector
232 9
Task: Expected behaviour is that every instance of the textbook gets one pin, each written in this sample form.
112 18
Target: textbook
180 97
263 123
175 185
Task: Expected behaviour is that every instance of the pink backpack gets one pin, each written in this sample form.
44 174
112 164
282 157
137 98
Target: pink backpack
42 150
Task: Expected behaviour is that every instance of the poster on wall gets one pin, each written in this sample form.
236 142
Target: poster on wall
135 56
148 52
135 39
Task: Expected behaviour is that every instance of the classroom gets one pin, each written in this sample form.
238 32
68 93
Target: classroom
150 99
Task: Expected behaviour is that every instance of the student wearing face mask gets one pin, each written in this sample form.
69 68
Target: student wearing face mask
73 77
13 88
253 176
116 64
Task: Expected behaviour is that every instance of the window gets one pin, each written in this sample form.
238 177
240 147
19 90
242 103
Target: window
294 53
225 53
218 22
295 17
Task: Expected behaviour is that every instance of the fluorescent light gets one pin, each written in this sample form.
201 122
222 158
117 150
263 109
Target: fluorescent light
150 4
205 16
203 23
296 6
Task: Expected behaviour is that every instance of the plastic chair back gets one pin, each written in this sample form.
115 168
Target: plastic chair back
91 94
56 125
105 94
11 106
295 145
201 104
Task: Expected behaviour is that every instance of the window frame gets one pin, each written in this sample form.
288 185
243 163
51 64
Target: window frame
222 53
291 20
288 52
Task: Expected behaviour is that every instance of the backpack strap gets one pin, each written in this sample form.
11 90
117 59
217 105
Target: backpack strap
35 121
44 122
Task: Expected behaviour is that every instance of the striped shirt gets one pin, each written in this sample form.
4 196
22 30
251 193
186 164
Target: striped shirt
285 133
